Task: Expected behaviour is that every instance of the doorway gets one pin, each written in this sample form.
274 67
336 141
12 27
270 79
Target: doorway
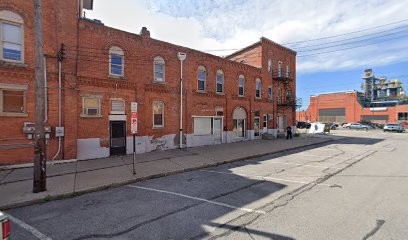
282 123
217 130
117 137
257 123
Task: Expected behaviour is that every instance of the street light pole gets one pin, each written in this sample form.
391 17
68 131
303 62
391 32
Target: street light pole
181 56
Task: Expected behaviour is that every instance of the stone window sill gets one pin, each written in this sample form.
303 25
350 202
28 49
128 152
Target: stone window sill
159 82
90 116
7 63
116 77
7 114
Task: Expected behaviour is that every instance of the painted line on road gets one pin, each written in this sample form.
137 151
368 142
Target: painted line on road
198 199
265 178
297 164
29 228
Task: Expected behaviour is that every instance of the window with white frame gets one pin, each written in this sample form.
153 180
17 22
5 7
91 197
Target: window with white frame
116 62
158 69
117 106
91 106
11 36
201 78
220 81
287 71
258 88
203 125
241 85
270 92
280 69
158 114
12 99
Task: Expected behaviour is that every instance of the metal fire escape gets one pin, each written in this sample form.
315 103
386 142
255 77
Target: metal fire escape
285 99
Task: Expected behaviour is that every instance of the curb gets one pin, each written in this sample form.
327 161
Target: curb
140 179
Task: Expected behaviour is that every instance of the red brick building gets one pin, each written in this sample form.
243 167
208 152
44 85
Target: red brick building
348 106
237 98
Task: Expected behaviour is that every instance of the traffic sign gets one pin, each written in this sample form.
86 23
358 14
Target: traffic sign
133 118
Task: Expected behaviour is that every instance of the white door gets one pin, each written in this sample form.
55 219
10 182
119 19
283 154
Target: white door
218 130
282 123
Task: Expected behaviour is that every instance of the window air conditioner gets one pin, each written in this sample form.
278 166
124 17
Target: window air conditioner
92 111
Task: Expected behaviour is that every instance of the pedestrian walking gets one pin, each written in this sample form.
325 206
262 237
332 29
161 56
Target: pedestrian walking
289 132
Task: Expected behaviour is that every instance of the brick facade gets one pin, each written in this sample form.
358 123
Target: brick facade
85 72
354 111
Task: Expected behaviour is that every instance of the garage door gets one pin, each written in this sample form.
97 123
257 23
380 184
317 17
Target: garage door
328 115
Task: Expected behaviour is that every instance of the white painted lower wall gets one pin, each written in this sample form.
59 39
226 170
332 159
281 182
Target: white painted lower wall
90 148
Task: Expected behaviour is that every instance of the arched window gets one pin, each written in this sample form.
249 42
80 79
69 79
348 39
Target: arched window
11 36
258 88
241 85
220 81
201 78
116 61
158 66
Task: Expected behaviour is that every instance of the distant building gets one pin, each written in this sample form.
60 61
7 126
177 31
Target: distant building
381 89
383 101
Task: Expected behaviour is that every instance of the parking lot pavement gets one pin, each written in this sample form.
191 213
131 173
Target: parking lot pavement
194 204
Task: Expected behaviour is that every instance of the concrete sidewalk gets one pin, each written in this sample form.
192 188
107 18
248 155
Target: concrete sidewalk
67 179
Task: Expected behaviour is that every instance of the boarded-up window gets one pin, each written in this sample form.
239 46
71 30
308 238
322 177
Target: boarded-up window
12 101
202 126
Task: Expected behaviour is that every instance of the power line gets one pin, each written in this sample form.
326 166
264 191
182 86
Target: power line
352 42
368 44
344 34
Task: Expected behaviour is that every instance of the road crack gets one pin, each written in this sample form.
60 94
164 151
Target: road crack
380 222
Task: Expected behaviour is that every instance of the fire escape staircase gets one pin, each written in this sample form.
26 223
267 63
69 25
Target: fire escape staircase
286 100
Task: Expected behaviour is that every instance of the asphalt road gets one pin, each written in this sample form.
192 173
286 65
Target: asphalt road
354 188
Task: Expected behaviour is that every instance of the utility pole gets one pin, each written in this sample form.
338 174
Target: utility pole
39 183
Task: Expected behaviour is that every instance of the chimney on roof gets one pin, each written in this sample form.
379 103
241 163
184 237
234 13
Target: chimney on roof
145 33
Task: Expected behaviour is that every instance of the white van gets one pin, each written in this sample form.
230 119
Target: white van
397 127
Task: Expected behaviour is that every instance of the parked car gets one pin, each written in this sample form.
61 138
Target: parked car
345 125
394 127
332 126
359 126
5 227
301 125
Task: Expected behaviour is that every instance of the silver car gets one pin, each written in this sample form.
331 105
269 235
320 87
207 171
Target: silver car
4 227
359 126
394 127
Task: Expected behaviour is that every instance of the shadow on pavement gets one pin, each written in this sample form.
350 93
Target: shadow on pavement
181 206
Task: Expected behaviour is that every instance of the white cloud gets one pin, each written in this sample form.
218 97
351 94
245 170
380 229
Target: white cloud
226 24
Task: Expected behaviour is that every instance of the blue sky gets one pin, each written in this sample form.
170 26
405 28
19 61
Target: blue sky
233 24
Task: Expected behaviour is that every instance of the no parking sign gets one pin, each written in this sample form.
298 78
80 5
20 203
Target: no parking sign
133 118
